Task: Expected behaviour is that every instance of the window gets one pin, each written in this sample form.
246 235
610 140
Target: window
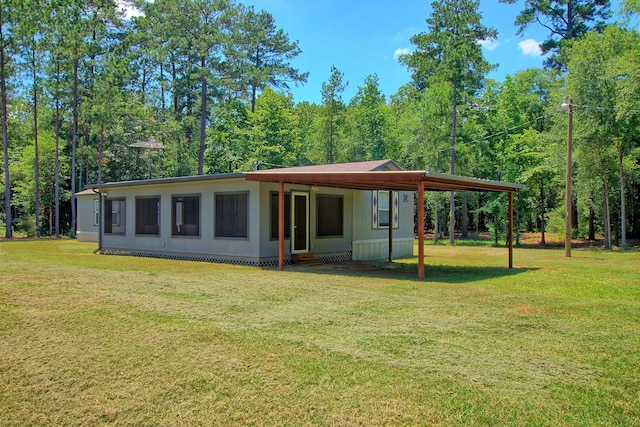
380 215
330 218
114 216
232 215
274 215
96 211
383 209
148 215
185 215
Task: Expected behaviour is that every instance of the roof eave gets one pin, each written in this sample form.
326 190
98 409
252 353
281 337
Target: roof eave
160 181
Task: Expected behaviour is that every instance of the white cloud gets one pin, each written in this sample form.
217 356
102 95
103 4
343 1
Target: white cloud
406 34
489 44
127 9
401 51
530 47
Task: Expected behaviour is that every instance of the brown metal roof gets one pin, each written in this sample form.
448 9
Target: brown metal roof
380 180
368 166
371 175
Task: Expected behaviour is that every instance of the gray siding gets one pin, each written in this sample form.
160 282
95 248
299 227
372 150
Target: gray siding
359 239
373 243
87 229
206 242
318 245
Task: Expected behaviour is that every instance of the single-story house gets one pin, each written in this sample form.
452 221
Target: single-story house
337 212
227 218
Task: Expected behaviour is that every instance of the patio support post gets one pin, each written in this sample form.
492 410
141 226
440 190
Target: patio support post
281 226
510 229
420 227
390 226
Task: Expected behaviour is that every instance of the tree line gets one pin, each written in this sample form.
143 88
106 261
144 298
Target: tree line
201 86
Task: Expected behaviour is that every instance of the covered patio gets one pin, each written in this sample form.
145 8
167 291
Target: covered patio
339 176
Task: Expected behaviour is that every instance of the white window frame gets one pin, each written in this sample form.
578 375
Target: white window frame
96 212
376 197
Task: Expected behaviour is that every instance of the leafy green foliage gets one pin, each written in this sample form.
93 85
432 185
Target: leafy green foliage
208 80
273 131
332 122
605 96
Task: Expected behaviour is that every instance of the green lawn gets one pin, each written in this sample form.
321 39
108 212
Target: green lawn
94 340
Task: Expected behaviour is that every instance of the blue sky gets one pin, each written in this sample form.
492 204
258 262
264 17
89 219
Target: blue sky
364 37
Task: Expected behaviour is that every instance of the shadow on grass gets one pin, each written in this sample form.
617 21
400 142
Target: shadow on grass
409 271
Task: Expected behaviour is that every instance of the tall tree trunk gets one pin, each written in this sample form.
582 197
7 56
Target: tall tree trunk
331 127
162 101
100 153
452 200
623 213
465 217
253 98
542 214
436 224
592 218
85 156
477 218
5 140
254 88
74 141
57 166
174 77
607 216
36 166
515 225
203 117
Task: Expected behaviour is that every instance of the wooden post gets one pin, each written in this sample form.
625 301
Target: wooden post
390 226
510 230
420 227
281 226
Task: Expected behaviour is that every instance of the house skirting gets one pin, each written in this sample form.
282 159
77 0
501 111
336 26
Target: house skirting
223 259
379 248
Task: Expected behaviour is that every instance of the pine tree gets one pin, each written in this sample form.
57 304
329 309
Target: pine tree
449 52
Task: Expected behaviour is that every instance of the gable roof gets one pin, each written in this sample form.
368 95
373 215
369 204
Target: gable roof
368 166
369 175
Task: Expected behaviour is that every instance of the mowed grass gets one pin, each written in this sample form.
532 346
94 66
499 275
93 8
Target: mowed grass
92 340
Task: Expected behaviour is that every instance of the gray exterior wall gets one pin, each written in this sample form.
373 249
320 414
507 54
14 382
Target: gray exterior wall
324 247
359 239
224 249
370 242
86 225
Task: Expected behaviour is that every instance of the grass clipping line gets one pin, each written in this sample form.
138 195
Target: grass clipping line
90 340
